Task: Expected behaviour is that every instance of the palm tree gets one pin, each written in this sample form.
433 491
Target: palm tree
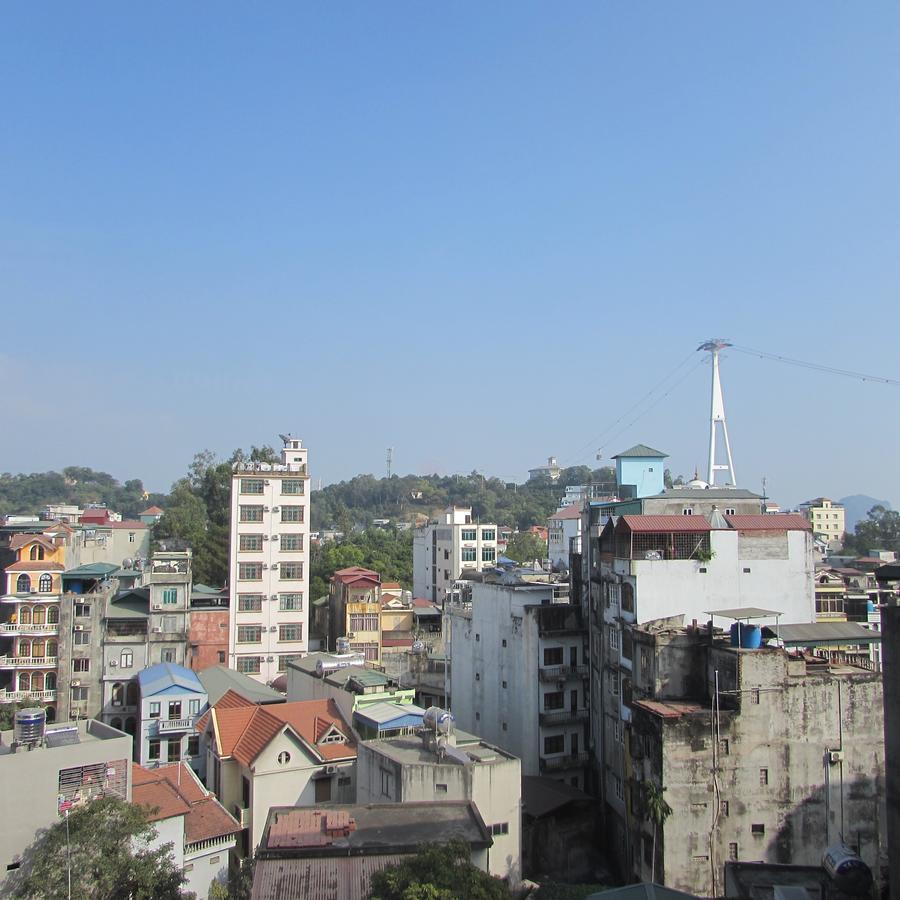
657 811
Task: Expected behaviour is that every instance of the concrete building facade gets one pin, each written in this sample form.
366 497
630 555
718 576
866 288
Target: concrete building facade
446 549
827 518
269 568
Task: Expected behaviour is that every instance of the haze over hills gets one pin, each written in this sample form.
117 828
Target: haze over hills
857 506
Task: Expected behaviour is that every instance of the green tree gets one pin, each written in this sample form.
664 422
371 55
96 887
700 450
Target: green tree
657 812
880 530
526 547
104 846
437 872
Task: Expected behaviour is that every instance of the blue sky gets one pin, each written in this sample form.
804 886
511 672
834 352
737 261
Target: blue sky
478 234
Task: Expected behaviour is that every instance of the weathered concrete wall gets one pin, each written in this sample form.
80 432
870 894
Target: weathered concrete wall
208 638
890 644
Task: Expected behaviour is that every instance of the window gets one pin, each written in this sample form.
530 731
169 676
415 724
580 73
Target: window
763 777
290 602
82 610
553 656
500 828
168 655
79 693
488 554
37 551
250 571
688 511
293 513
617 782
194 707
468 534
286 658
292 486
249 602
746 570
627 597
504 686
126 659
131 537
174 709
169 624
23 584
45 583
754 695
154 710
504 642
614 683
284 758
250 514
170 597
291 571
488 534
175 751
118 692
221 657
292 632
723 808
732 851
478 676
363 622
469 554
729 511
554 744
153 748
757 829
554 700
81 665
253 542
82 638
387 783
724 747
477 638
291 542
252 486
249 634
249 665
614 639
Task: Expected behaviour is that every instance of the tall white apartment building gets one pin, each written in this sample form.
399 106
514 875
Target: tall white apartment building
269 570
444 549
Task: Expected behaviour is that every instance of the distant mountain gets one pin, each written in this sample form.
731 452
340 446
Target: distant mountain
857 506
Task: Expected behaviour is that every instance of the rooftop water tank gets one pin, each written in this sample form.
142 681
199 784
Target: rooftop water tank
418 647
847 870
437 719
747 637
342 645
29 726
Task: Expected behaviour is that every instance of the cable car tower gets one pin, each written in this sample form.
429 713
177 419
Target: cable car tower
717 416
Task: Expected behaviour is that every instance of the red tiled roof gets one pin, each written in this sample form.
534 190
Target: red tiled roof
567 512
669 709
772 522
175 791
17 541
421 602
152 511
391 586
658 524
40 565
130 524
95 515
354 572
243 732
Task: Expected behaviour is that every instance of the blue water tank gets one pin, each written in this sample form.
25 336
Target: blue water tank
747 637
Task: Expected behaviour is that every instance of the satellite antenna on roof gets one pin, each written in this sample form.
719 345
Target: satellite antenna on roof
717 416
286 438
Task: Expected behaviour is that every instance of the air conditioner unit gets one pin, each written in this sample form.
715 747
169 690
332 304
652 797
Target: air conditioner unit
157 630
265 537
75 683
273 628
157 605
265 509
274 566
270 659
266 483
835 756
276 509
330 770
265 566
274 597
78 627
274 537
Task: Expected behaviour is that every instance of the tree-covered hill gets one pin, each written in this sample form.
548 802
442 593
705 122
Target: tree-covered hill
28 494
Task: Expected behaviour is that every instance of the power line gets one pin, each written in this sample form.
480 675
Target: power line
816 367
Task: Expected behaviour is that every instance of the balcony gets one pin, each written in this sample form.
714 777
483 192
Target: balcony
26 696
570 761
563 673
563 716
170 726
559 619
26 628
28 662
242 815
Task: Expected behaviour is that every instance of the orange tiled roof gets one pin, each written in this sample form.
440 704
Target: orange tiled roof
243 732
36 565
17 541
230 699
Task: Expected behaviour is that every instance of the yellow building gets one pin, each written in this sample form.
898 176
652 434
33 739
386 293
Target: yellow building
826 517
355 611
830 597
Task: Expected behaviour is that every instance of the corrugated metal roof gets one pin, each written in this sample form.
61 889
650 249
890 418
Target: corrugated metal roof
662 524
743 612
811 634
335 878
771 522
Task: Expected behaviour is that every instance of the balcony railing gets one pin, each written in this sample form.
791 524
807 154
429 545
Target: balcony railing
561 716
27 628
28 662
570 761
20 696
563 673
167 726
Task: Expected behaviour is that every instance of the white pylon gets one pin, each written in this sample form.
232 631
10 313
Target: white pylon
717 415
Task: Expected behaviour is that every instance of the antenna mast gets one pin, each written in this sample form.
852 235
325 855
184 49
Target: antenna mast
390 459
717 416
